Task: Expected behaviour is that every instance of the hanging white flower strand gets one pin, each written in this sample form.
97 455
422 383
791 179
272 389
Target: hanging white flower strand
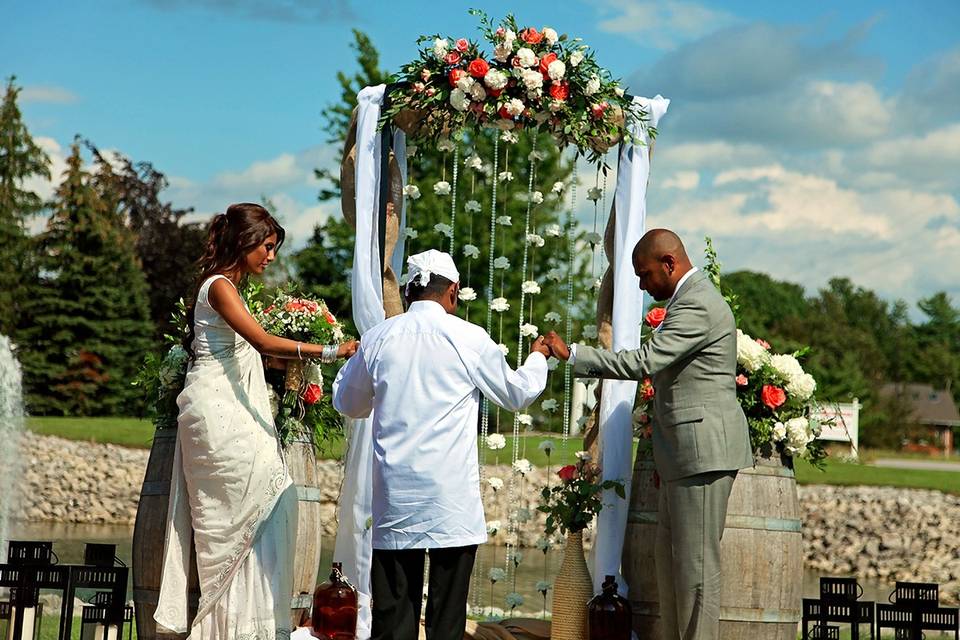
453 200
568 329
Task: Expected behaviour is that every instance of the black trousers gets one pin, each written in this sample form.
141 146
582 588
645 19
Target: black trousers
396 579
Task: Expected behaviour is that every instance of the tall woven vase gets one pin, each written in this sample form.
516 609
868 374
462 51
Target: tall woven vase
572 589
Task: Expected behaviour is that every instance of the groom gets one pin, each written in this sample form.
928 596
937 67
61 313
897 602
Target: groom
700 435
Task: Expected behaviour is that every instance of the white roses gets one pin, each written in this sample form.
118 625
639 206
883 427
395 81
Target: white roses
750 355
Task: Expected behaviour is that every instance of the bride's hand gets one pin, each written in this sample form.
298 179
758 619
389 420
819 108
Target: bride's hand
347 349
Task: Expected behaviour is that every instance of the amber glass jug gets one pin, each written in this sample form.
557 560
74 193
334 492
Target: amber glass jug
608 614
335 608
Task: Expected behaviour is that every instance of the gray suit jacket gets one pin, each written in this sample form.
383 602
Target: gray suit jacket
698 425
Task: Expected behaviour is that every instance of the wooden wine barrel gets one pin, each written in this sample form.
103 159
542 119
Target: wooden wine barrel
149 534
150 530
761 555
302 461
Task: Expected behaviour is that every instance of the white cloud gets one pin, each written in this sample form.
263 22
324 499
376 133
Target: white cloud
663 24
284 170
682 180
55 95
936 149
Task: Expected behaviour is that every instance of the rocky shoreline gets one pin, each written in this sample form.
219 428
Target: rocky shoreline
876 533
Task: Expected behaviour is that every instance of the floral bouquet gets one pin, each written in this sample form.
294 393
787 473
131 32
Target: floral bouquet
572 504
162 378
532 78
302 407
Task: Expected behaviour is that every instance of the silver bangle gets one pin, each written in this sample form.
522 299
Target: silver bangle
299 355
329 353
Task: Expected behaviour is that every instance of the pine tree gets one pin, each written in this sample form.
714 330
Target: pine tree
90 313
20 159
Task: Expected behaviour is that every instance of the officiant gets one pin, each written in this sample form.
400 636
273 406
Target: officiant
421 374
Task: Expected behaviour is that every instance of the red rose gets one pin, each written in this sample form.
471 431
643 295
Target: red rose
478 68
455 76
598 110
567 473
644 418
504 113
531 36
646 389
655 317
742 380
545 64
559 90
452 58
312 393
763 343
268 309
329 317
462 45
494 92
772 396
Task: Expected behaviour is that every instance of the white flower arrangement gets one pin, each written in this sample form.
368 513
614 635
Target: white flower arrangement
496 441
590 331
501 263
514 599
459 99
446 145
499 305
505 176
550 35
555 274
472 206
495 483
593 85
528 58
443 229
535 240
552 316
594 238
504 349
505 221
440 47
558 187
594 193
530 287
510 138
536 197
525 419
474 162
492 527
750 355
467 294
528 330
412 191
552 363
543 543
556 70
496 574
471 251
411 234
576 58
522 466
583 455
543 586
442 188
547 446
495 79
553 230
550 405
536 156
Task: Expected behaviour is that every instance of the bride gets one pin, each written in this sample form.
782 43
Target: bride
230 486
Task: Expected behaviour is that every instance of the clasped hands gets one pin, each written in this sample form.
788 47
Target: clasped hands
550 344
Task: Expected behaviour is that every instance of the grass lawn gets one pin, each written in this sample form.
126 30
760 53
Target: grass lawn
128 432
845 473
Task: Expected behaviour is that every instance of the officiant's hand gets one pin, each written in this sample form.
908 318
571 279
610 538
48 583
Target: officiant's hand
540 346
347 349
557 346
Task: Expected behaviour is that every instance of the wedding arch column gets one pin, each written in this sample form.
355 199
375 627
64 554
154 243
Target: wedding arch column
369 171
627 225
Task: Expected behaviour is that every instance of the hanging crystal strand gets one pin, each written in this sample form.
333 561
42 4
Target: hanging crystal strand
568 329
604 216
473 190
596 212
512 529
453 199
485 406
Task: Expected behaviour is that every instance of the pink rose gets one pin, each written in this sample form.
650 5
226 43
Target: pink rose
772 396
462 45
312 393
742 380
655 317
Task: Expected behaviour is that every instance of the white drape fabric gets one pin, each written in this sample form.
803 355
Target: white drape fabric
354 547
231 489
616 407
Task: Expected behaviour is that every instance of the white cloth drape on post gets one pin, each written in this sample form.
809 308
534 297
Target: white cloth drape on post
616 407
354 542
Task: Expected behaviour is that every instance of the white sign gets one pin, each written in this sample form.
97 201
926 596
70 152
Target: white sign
840 423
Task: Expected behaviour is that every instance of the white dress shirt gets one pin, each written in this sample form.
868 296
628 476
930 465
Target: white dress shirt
421 374
683 278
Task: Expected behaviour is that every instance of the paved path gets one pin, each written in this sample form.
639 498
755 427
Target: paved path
922 465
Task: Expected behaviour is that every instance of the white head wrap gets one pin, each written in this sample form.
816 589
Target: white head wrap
423 265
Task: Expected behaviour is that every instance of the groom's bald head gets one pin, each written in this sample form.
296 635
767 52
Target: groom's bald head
660 260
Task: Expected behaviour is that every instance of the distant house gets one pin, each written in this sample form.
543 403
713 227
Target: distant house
932 412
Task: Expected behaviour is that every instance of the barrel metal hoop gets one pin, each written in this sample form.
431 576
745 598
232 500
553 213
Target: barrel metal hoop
788 525
155 488
758 470
731 614
165 433
308 494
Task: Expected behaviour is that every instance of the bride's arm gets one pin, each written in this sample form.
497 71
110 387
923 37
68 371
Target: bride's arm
227 302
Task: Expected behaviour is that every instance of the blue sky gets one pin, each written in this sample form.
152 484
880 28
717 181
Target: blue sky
809 139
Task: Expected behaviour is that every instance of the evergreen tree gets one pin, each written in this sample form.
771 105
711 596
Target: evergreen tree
90 314
20 159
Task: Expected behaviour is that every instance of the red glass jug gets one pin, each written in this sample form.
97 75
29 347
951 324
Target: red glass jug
335 608
609 616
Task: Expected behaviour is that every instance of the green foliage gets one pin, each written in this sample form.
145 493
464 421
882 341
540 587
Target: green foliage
20 159
572 504
89 310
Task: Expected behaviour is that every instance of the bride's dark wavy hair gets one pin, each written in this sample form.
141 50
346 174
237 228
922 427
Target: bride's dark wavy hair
231 236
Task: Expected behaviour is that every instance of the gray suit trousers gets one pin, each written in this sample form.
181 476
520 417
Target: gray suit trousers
690 522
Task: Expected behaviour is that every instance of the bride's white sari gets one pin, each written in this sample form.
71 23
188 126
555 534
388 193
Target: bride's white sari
231 489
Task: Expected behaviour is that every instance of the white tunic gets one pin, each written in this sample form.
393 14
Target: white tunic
422 373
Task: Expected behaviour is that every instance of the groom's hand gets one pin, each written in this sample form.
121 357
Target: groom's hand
557 346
